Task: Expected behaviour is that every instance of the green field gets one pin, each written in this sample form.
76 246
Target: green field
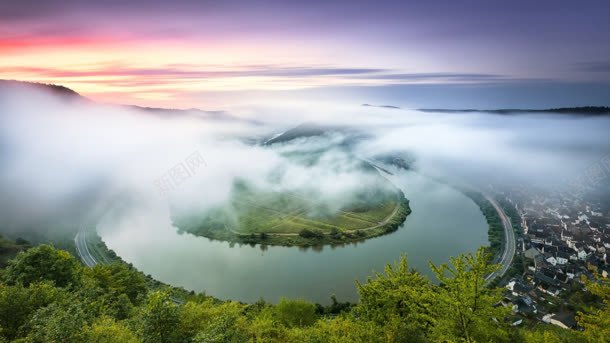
298 218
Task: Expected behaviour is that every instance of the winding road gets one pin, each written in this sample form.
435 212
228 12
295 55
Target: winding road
510 245
83 250
85 255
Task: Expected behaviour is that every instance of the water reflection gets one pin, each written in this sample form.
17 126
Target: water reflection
443 223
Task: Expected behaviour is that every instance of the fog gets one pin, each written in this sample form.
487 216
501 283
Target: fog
64 162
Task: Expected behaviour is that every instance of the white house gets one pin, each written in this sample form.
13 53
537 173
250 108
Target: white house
552 260
561 260
582 255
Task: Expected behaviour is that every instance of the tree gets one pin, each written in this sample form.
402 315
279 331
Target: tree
18 304
549 334
400 299
44 263
119 278
159 319
107 330
59 322
222 329
205 315
264 325
468 307
296 312
339 330
596 321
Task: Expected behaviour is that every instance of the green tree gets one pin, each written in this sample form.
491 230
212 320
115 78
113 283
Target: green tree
119 278
200 316
550 334
159 319
468 311
60 322
107 330
224 328
114 289
401 299
596 320
339 330
296 312
265 327
44 263
18 304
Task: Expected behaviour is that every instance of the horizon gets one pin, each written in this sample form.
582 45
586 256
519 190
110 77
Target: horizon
219 56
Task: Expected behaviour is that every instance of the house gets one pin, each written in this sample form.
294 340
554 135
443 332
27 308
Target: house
564 320
517 287
562 258
582 254
552 260
541 278
531 253
524 305
539 261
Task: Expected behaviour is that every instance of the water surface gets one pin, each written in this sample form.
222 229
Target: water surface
444 223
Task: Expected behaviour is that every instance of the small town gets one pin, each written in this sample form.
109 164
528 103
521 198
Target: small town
564 239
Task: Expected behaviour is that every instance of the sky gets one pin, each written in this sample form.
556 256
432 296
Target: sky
214 55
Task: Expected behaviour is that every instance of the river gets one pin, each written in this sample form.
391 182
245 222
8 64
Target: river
444 223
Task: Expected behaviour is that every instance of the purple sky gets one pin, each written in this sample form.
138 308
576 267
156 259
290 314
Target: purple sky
168 52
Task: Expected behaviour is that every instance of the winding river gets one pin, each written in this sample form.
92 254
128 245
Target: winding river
444 223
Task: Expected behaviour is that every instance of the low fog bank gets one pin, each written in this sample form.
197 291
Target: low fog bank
66 163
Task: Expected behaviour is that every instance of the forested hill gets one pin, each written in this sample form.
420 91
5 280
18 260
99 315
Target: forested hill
47 295
584 110
63 92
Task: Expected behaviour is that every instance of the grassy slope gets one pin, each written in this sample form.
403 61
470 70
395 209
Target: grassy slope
291 219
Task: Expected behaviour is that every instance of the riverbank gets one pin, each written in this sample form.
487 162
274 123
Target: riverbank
313 237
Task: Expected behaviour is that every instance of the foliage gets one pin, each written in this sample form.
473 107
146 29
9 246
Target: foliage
44 263
19 303
108 330
296 312
400 296
159 319
469 312
114 303
597 321
59 322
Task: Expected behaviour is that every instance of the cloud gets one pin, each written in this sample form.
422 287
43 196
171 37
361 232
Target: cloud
193 72
63 162
594 67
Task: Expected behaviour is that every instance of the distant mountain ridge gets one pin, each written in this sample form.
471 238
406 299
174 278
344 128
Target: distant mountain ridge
586 110
52 88
304 130
382 106
70 95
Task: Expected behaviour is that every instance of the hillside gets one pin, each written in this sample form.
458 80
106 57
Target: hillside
68 94
46 295
60 91
583 110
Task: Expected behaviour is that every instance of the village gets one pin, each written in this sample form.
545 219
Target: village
564 239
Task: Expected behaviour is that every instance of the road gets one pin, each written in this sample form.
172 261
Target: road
85 255
510 245
83 250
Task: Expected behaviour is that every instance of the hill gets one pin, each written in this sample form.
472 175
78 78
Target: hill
68 94
583 110
61 91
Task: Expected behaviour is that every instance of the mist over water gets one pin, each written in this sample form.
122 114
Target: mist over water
246 273
63 163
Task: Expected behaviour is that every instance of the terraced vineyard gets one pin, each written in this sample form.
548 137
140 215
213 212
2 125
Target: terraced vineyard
298 218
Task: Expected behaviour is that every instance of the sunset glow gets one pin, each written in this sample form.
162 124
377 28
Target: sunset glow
115 53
